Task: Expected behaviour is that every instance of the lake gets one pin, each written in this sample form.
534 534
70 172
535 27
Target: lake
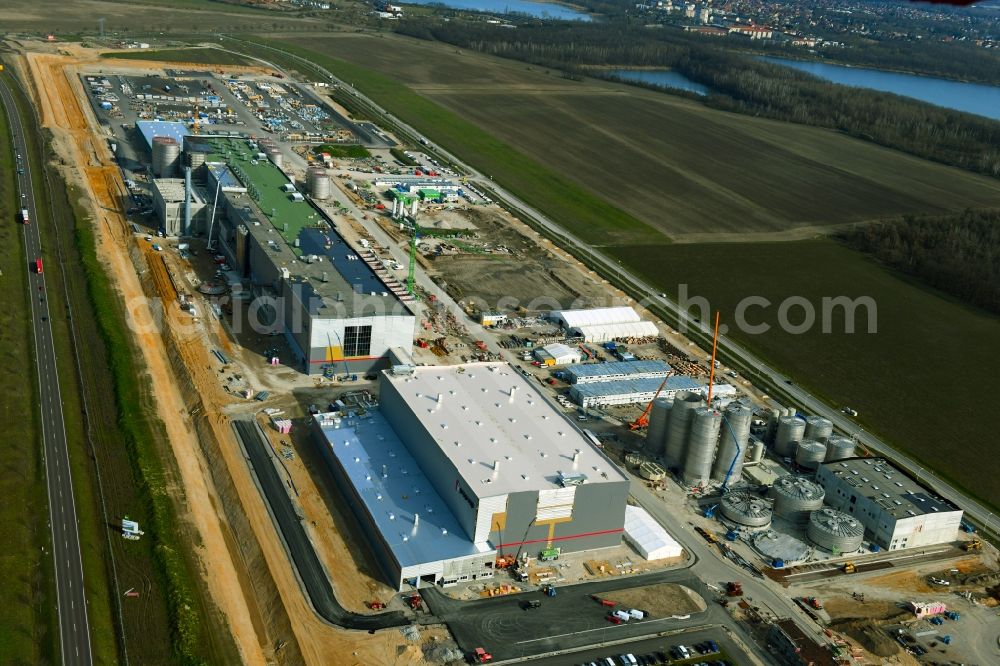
977 98
662 78
538 9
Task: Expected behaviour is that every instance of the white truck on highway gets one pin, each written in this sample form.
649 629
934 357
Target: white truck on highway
24 216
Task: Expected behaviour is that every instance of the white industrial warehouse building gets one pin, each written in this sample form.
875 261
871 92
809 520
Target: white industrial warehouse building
648 537
629 391
460 464
615 370
558 354
897 512
604 324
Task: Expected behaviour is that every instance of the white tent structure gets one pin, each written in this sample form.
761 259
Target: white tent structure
604 324
647 536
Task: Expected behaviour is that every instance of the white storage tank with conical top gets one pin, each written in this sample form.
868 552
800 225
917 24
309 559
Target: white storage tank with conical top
319 183
703 438
810 454
818 428
791 431
746 509
835 531
656 433
166 156
678 425
839 447
795 497
733 436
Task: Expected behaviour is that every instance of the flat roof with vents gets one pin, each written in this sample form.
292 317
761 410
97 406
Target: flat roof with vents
879 480
481 413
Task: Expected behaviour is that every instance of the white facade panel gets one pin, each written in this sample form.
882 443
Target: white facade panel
488 507
555 503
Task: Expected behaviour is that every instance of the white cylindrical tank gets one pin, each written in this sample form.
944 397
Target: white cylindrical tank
818 428
746 509
656 433
810 454
733 436
703 438
838 448
319 183
791 430
756 451
166 155
678 426
795 497
835 531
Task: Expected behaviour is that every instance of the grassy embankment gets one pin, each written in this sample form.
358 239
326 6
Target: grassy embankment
203 56
27 597
342 151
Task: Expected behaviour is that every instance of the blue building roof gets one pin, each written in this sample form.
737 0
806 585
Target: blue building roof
641 385
393 489
618 368
153 128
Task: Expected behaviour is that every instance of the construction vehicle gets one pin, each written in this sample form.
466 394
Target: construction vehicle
814 602
604 602
376 605
415 602
975 544
504 561
481 656
734 588
550 590
549 555
710 511
849 567
643 420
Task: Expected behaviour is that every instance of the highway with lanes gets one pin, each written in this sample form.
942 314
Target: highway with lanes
74 628
764 376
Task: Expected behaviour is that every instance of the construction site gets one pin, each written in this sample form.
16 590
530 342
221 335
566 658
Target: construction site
403 419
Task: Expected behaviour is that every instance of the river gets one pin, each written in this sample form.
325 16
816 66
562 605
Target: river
662 78
549 10
977 98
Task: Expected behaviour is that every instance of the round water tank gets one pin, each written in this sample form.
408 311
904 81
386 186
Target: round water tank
274 154
818 428
838 448
795 497
746 509
756 451
166 155
703 438
195 158
791 430
835 531
656 433
678 425
810 453
733 436
319 183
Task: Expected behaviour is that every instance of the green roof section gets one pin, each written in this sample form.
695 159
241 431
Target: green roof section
266 185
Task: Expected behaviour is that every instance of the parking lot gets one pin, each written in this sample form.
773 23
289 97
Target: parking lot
659 650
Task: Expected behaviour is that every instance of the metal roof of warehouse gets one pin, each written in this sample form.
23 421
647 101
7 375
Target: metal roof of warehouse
640 385
394 490
614 368
479 413
881 481
595 316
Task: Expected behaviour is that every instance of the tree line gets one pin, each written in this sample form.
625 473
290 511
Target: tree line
958 254
739 83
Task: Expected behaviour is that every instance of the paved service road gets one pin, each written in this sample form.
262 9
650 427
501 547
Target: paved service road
74 629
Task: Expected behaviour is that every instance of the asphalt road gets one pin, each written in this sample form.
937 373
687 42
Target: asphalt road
311 572
74 628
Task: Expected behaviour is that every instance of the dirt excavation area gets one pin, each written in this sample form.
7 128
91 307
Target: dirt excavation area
245 568
663 600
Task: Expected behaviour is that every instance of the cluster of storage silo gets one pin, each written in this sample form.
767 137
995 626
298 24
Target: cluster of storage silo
795 497
838 448
835 531
746 509
656 432
790 431
810 454
678 426
734 437
166 156
818 428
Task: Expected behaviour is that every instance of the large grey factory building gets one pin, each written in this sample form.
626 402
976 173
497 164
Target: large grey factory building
473 451
897 512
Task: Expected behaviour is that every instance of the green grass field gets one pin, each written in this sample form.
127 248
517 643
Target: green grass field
922 381
612 161
27 597
202 56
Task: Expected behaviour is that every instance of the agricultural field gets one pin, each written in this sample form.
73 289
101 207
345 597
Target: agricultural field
668 165
202 56
922 380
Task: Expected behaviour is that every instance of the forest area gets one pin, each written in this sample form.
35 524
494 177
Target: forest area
739 83
958 254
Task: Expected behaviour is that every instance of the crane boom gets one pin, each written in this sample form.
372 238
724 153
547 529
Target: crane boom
643 419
